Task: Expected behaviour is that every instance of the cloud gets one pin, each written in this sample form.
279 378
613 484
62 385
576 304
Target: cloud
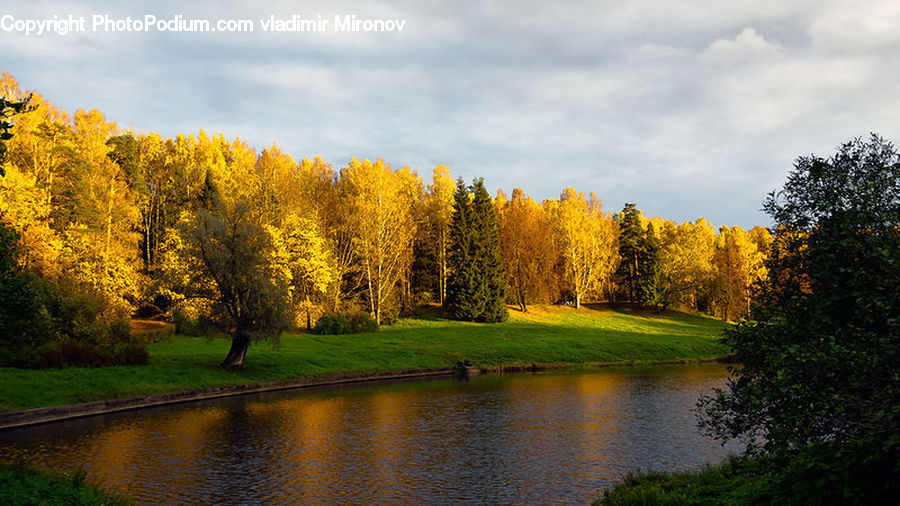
748 46
689 108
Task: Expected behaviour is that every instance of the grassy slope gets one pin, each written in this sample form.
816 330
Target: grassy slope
544 335
737 481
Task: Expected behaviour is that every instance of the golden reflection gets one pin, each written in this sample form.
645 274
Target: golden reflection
128 460
308 454
390 435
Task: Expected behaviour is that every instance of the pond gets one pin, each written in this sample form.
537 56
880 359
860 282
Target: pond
525 438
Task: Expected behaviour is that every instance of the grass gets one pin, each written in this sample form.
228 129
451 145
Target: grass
22 485
549 334
738 481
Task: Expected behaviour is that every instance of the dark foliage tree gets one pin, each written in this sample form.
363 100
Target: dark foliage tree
229 245
477 287
631 249
818 388
8 109
650 285
124 152
488 257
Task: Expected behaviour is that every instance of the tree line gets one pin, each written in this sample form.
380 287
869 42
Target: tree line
203 227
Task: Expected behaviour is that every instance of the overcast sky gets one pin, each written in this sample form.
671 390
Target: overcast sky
688 108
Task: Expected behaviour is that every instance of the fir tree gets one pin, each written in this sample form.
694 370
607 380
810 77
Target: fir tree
461 297
631 245
651 290
476 288
488 259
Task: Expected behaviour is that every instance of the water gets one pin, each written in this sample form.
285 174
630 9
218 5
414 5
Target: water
500 439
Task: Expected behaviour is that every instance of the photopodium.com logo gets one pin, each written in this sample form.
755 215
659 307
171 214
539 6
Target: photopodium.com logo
178 23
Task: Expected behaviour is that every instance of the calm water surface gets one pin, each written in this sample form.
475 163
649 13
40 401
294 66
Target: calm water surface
498 439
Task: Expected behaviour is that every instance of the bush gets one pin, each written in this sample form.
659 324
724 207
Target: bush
185 326
133 353
361 322
181 321
353 323
70 353
157 335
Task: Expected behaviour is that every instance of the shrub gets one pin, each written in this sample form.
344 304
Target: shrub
70 353
185 326
332 324
181 321
133 353
361 322
353 323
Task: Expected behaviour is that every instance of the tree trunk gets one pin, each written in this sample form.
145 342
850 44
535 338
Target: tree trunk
240 342
577 301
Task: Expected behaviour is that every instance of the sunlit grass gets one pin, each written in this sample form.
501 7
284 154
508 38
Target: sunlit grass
551 334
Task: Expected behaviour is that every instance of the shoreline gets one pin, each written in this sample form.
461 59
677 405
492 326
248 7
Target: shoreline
63 412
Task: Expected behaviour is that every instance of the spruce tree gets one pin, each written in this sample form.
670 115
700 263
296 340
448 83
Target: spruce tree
492 274
651 291
476 289
461 287
631 246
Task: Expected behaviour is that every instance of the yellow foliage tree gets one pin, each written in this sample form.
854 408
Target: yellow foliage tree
528 249
100 243
586 239
739 264
439 211
687 258
23 204
381 219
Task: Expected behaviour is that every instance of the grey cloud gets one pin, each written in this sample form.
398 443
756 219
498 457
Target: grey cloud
689 108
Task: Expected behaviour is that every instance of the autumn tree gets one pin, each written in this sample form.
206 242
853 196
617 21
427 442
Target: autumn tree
528 250
687 260
586 239
739 265
301 252
322 189
101 215
231 247
439 211
383 227
24 206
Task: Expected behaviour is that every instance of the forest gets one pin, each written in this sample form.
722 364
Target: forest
99 224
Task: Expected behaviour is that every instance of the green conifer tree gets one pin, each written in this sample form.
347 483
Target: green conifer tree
492 274
461 286
631 246
651 290
477 287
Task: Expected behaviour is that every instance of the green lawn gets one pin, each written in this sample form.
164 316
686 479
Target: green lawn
548 334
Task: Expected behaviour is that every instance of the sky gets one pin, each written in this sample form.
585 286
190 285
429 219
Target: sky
687 108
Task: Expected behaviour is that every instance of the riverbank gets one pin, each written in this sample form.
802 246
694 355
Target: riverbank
548 335
736 481
22 485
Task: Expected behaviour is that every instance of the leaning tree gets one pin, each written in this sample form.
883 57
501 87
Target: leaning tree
226 255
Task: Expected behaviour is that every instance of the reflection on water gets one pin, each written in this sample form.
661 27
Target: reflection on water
522 438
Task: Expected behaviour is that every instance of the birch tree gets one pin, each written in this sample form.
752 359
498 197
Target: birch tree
382 224
587 242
